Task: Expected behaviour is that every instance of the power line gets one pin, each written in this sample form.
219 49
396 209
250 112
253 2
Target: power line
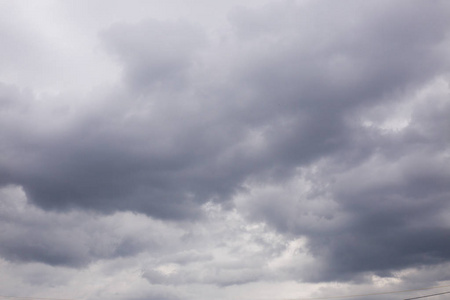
319 298
374 294
427 296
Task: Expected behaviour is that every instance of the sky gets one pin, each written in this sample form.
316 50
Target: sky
227 150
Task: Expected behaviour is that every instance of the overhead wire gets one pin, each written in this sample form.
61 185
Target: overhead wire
316 298
427 296
371 294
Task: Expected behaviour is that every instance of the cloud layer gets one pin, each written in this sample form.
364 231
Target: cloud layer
302 141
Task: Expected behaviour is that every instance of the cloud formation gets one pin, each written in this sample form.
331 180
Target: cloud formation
304 141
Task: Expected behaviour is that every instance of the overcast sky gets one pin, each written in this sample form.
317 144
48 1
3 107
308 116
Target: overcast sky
239 150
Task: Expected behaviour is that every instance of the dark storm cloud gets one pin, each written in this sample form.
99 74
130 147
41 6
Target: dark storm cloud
196 120
384 213
30 234
397 221
375 221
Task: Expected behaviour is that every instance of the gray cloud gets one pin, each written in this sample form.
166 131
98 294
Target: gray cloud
377 215
324 120
75 239
155 54
160 145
